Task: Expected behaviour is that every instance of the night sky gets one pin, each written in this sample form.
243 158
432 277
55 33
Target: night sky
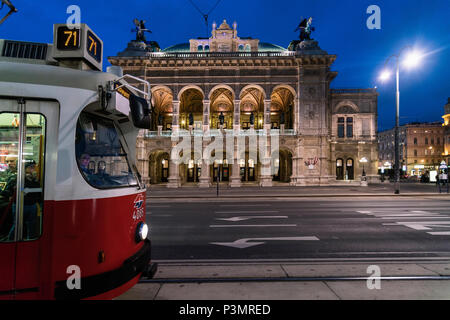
340 29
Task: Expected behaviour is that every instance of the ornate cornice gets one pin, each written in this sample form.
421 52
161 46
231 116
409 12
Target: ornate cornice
232 59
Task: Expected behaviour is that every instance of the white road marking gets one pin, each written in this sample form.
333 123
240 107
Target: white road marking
409 215
245 205
440 233
409 219
235 219
244 243
251 225
425 225
241 212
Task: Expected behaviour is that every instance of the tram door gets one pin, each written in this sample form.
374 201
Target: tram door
28 135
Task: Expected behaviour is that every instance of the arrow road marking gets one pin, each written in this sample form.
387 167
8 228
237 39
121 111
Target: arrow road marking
244 243
235 219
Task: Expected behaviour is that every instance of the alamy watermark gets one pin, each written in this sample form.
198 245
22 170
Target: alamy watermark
74 280
227 146
74 20
374 21
374 281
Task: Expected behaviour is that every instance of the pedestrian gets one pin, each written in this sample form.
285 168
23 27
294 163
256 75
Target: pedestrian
445 179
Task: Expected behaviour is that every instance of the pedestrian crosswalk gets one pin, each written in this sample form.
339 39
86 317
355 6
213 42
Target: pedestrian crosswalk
433 223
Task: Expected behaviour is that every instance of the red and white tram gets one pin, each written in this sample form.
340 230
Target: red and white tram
72 206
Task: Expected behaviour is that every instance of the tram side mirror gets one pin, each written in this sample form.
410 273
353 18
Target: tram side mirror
140 112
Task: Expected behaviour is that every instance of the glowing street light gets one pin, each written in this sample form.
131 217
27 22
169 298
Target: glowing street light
412 59
385 75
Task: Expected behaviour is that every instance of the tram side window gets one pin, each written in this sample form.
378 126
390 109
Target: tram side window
100 156
32 199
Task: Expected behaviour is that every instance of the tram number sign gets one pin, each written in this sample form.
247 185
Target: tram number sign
68 39
94 46
78 44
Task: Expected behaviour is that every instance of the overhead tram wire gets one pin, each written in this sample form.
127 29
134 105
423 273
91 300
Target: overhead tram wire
12 9
205 15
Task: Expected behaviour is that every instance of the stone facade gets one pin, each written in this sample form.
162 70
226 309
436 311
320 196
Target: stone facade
241 86
421 147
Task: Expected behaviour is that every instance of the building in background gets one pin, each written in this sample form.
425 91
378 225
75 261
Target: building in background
247 84
421 147
446 153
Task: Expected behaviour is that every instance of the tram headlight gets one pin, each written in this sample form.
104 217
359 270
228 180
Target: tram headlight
141 231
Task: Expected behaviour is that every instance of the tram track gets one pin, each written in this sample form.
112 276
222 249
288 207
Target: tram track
291 279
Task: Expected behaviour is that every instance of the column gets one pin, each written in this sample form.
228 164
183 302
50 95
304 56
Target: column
265 179
176 115
237 117
267 123
235 174
174 180
296 121
206 112
205 180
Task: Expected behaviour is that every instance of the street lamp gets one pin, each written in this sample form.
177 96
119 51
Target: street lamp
412 59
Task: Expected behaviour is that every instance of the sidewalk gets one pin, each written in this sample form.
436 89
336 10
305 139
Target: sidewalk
295 281
379 189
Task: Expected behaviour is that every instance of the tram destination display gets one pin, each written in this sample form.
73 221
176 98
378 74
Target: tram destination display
79 43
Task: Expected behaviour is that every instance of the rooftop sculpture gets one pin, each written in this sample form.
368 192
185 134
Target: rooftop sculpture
305 28
140 30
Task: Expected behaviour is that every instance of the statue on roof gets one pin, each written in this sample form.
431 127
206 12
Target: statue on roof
305 28
140 30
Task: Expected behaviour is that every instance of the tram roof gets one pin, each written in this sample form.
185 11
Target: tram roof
41 74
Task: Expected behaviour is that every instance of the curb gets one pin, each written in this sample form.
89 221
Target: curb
300 195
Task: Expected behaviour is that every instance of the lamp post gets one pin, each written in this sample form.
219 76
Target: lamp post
411 60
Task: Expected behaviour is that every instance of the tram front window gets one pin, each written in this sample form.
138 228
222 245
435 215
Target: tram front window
100 155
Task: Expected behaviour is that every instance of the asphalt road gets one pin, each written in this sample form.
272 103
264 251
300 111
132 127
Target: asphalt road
299 229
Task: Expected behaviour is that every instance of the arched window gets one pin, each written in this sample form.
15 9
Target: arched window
206 48
241 47
415 141
247 48
200 48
